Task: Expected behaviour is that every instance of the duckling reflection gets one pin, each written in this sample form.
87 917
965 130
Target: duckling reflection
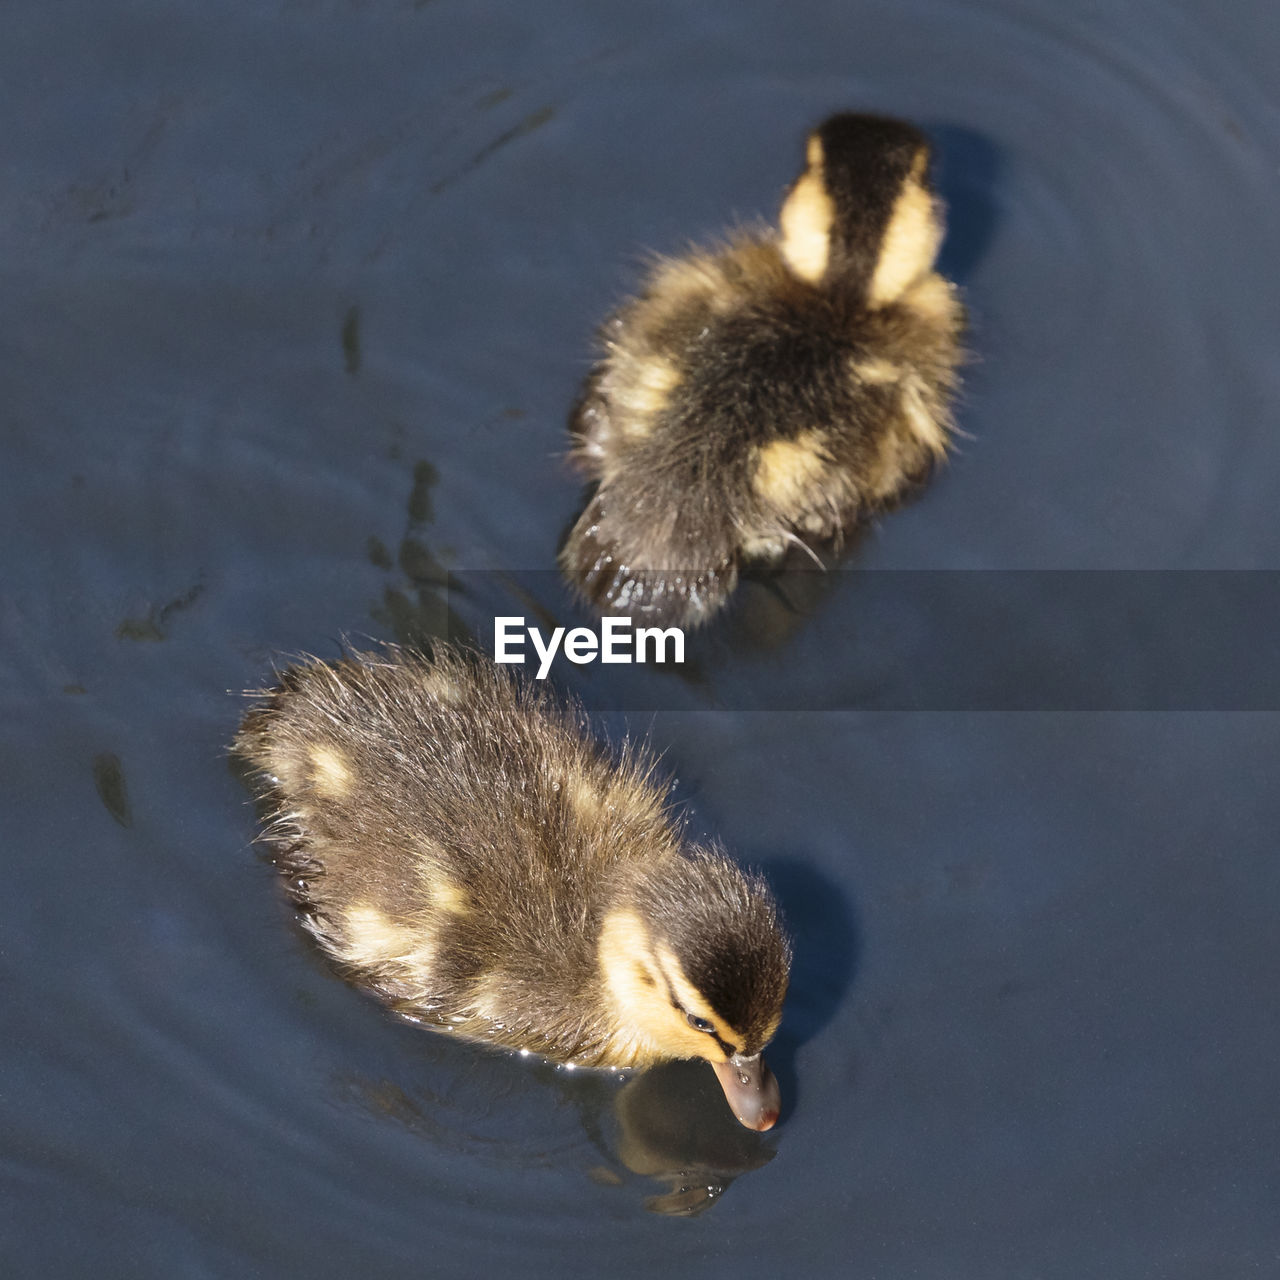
464 851
669 1131
773 392
666 1124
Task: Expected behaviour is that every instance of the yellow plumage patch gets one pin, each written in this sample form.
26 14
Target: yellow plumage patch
678 282
585 798
787 470
876 371
910 242
806 220
594 800
644 388
638 1010
449 897
933 299
437 685
330 773
922 419
370 939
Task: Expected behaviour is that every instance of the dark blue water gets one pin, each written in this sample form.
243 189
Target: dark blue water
295 299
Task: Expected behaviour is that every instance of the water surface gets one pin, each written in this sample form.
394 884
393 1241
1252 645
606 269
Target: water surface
295 299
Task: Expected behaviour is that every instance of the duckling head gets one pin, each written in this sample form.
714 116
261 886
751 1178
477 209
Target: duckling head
863 215
695 964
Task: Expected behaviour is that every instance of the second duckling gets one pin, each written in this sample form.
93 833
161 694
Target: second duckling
461 847
772 392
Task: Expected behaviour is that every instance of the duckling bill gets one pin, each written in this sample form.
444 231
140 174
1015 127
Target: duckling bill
464 850
772 392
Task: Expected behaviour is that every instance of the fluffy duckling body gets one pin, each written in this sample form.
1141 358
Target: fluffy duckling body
462 849
772 392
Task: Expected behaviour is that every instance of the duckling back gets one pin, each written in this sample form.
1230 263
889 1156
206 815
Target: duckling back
771 392
459 845
442 827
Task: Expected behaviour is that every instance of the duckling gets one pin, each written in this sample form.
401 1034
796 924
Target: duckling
464 850
772 392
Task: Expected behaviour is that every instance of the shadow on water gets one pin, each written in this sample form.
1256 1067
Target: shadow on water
823 926
968 169
108 778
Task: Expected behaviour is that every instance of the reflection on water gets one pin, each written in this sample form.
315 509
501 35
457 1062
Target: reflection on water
416 610
674 1127
668 1125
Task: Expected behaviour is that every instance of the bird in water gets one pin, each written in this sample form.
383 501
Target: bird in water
462 848
773 392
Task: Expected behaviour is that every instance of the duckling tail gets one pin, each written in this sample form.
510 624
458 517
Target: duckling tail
627 561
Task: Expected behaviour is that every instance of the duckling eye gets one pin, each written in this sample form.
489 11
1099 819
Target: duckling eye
699 1024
